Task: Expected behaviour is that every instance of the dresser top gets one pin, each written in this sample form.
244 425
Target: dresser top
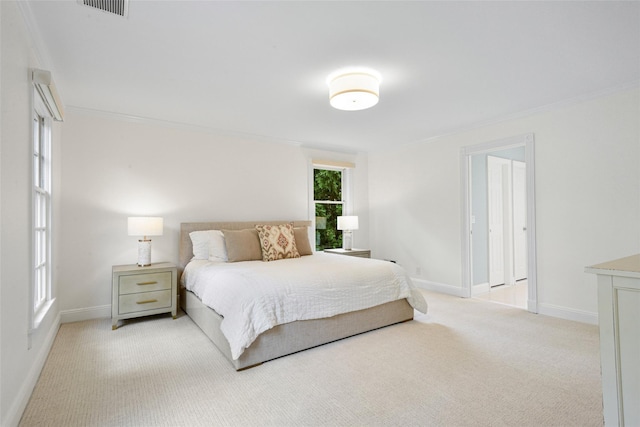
628 266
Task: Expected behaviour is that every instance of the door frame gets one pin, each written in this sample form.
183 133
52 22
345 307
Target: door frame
517 214
528 142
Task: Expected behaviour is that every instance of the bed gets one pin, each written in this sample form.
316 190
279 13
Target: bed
292 336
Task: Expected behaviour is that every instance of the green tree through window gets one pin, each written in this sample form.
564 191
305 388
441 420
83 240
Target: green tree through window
327 195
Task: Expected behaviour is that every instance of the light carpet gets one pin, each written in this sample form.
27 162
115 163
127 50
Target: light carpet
467 362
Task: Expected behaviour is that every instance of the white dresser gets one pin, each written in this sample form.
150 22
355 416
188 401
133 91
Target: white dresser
619 318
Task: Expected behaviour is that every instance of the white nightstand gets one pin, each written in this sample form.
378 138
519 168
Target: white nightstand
362 253
143 291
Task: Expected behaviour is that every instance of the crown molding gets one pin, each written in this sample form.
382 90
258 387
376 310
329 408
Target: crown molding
312 145
179 125
554 106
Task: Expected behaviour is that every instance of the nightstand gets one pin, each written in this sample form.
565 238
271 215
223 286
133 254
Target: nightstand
143 291
362 253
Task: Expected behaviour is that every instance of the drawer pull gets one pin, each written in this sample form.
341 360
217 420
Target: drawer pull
146 283
147 301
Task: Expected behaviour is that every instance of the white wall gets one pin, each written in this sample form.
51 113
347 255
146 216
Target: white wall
587 197
21 355
114 168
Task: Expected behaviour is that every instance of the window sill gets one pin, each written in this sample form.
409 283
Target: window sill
41 314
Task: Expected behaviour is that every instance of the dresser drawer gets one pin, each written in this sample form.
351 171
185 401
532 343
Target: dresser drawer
134 283
144 301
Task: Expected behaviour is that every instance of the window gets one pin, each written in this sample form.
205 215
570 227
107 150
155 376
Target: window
41 220
330 201
46 107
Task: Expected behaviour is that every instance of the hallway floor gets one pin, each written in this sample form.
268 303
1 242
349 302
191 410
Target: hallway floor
514 295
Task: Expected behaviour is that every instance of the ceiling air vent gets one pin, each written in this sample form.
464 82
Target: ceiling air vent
117 7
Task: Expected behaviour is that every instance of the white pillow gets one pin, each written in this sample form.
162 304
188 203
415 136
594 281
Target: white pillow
200 242
217 247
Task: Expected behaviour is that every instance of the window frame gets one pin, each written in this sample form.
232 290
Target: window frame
41 292
346 190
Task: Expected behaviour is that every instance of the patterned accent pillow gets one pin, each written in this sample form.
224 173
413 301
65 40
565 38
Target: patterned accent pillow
277 242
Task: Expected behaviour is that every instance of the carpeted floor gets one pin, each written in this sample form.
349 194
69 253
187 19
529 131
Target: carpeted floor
467 362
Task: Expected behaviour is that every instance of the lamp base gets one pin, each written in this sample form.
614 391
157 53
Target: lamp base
347 240
144 253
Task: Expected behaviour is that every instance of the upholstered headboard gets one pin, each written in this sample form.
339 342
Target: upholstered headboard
186 249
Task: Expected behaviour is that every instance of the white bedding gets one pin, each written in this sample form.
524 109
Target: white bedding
255 296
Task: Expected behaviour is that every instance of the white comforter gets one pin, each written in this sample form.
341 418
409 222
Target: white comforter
254 296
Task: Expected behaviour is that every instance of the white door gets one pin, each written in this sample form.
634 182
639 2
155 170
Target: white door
519 171
497 182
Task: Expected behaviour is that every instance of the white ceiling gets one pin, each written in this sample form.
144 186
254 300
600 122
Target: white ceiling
259 68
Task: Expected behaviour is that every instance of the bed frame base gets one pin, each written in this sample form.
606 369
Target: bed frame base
293 337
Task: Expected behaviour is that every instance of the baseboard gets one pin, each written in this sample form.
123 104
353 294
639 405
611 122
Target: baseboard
80 314
24 393
438 287
568 313
545 309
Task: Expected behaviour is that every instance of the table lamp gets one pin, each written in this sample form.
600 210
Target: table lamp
144 226
347 224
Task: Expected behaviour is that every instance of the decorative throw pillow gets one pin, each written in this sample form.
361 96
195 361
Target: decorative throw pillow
242 245
277 242
302 241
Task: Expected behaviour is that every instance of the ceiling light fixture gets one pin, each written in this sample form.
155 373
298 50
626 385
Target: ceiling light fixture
354 89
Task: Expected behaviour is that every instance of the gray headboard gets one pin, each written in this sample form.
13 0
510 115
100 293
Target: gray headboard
186 250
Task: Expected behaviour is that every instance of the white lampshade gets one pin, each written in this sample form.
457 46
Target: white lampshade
353 90
145 226
347 223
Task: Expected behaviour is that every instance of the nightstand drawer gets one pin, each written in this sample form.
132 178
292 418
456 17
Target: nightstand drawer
144 301
134 283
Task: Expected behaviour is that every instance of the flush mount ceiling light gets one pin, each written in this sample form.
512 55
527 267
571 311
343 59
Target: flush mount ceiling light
354 89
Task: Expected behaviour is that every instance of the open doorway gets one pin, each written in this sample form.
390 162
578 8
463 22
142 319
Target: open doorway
499 222
498 229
